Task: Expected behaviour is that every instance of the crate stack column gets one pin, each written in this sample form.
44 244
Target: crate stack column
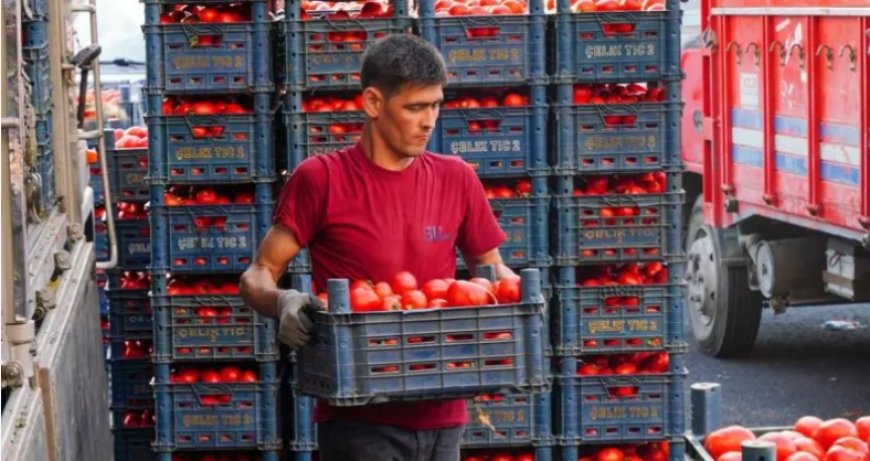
495 118
211 177
617 198
322 113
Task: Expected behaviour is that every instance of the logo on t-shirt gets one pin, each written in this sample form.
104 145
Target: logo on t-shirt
435 233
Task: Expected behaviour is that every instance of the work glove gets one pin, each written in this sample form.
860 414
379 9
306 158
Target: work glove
294 317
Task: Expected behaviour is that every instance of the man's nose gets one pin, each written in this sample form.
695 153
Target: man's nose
429 120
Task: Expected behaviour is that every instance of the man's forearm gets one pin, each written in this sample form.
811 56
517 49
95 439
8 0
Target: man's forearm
259 290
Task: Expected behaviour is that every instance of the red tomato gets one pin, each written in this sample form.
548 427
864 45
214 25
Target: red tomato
208 15
587 369
206 196
435 289
862 425
509 290
188 376
210 376
514 100
785 447
244 198
524 457
248 376
731 456
853 443
414 299
482 282
203 108
391 303
364 300
810 446
230 374
727 439
464 293
625 369
831 430
437 302
402 282
610 454
841 453
524 187
382 289
360 284
501 457
582 94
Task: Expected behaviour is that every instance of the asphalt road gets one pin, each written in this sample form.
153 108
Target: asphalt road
796 368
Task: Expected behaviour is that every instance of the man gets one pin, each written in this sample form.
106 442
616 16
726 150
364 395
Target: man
367 212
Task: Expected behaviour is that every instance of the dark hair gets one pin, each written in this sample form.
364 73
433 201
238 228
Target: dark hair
401 59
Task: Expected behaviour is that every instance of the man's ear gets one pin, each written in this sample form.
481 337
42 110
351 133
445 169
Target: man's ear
373 102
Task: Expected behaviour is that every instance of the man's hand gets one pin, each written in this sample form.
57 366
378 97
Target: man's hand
294 325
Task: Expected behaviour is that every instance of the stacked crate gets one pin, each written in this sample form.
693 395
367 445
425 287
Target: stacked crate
616 315
495 118
211 178
37 69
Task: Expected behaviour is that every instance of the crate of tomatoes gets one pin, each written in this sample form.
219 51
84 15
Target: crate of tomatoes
208 48
612 218
132 232
324 41
207 229
495 42
613 40
619 397
211 139
508 420
397 340
127 158
662 450
613 127
215 406
202 317
499 131
616 308
317 124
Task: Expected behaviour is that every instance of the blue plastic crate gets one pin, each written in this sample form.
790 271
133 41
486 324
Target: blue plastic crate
321 53
497 142
302 436
128 168
594 228
591 409
487 50
211 327
594 138
134 445
133 239
613 46
196 416
131 314
208 238
131 383
508 420
210 57
96 183
361 358
212 148
44 173
38 68
676 451
314 133
35 32
132 420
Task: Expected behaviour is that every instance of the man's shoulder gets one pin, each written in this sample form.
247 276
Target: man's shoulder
318 165
447 162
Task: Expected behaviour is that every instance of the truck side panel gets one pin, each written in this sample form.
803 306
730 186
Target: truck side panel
792 117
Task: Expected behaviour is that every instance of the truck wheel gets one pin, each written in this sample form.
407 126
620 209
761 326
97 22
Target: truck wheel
724 312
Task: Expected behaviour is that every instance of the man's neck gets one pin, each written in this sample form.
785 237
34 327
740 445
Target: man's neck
380 154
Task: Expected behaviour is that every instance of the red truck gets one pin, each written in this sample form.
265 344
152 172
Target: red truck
776 127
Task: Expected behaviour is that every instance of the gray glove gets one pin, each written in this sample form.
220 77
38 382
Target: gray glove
294 323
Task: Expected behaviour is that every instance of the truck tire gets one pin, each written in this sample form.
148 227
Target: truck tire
724 312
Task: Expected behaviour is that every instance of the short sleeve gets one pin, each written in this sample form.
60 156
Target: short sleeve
302 202
479 231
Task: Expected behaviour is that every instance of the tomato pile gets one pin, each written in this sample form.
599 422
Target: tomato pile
139 418
135 137
332 103
187 13
137 349
811 439
618 93
228 374
655 451
507 189
193 285
499 456
206 195
135 280
212 105
630 184
506 98
402 292
606 6
215 457
333 11
131 210
652 273
643 363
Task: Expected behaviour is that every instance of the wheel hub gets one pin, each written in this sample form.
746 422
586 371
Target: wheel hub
702 282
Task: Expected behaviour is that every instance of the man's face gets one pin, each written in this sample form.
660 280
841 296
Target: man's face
406 119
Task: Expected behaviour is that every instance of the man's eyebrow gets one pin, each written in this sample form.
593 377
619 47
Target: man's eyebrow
412 104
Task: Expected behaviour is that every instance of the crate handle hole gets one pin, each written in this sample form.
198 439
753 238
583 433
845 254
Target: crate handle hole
421 339
385 369
461 365
460 337
498 362
498 335
422 366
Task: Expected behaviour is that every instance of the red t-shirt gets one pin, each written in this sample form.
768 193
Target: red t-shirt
361 221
